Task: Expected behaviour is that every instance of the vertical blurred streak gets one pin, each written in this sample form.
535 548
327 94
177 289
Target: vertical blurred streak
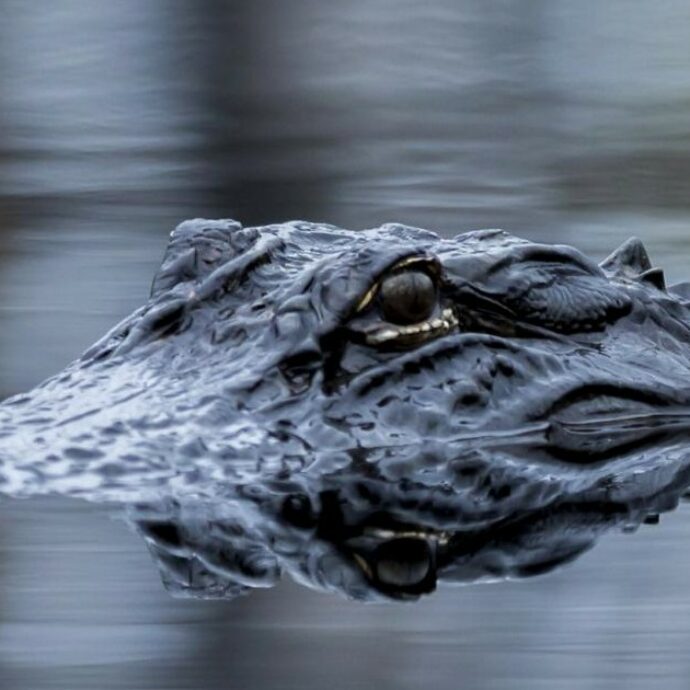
367 112
263 140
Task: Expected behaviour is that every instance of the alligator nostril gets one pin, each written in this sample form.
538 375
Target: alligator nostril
405 562
298 510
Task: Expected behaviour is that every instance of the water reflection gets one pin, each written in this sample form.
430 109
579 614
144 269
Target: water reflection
370 541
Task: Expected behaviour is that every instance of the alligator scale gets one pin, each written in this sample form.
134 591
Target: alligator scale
370 411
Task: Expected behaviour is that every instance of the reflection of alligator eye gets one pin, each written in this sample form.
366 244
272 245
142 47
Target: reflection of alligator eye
407 297
403 562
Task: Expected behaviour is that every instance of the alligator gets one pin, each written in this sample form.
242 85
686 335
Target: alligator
393 406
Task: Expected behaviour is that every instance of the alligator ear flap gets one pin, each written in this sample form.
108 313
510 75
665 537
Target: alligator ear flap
655 277
629 259
196 248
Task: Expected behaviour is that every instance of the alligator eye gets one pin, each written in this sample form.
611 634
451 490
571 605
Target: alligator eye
407 297
406 307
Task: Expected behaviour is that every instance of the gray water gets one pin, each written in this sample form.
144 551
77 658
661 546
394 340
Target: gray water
560 121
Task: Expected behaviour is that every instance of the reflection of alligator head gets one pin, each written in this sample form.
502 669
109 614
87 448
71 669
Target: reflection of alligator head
385 377
333 534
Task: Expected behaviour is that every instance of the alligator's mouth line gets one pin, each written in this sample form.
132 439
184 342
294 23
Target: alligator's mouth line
648 420
610 430
592 441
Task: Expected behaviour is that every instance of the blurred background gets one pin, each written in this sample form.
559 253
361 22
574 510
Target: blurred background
560 121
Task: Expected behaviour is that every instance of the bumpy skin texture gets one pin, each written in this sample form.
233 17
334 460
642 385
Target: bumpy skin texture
261 391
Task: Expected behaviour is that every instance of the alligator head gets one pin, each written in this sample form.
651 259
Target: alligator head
387 379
